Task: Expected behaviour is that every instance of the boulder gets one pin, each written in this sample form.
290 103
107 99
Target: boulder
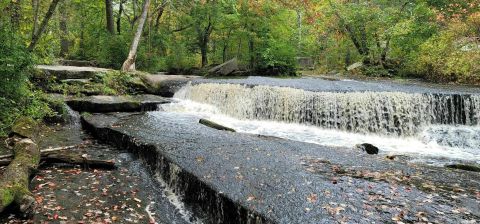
166 85
355 66
106 104
367 147
224 69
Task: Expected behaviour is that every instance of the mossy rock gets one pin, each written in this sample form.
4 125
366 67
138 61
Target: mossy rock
26 127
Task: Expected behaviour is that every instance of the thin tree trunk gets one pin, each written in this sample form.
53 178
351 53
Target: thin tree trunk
64 42
203 50
35 6
109 14
119 18
15 13
251 49
160 13
129 64
203 39
43 25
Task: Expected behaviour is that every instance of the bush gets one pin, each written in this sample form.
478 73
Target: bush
180 61
451 56
278 58
17 97
113 51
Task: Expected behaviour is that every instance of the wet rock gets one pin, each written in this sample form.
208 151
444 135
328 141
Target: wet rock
61 72
215 125
105 104
242 177
165 85
467 167
367 147
224 69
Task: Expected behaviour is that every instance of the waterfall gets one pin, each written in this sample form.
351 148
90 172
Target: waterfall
387 113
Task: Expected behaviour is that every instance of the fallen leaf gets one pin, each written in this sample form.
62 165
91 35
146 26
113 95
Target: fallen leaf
312 198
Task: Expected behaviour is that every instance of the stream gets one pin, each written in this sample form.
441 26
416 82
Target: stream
430 128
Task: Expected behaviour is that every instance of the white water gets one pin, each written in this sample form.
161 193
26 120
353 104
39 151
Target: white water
431 144
386 113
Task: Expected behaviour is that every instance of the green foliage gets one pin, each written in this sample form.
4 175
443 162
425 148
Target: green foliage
17 97
112 50
277 58
452 55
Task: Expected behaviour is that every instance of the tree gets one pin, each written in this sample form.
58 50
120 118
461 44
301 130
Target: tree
129 64
109 16
64 42
43 25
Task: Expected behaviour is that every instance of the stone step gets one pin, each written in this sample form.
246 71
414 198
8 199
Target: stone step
106 104
81 63
76 81
70 72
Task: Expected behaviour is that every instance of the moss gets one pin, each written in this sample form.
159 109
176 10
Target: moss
7 196
25 126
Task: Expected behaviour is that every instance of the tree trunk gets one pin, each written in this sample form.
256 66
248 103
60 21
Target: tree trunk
119 18
203 39
35 6
109 14
129 64
159 16
15 14
15 180
64 42
251 49
204 51
43 25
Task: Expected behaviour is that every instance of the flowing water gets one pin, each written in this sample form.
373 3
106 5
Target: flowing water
433 125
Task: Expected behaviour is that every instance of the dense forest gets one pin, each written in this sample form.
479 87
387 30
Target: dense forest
436 40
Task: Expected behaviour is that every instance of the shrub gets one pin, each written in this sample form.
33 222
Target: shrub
451 56
16 95
278 58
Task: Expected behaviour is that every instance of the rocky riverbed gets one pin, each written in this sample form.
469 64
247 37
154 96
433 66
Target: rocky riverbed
246 177
78 194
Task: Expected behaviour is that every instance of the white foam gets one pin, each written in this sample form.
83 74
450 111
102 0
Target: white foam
429 143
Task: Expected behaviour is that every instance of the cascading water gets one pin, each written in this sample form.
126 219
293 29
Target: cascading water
388 113
429 124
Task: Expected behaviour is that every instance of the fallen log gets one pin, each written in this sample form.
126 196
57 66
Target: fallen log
215 125
76 159
57 156
15 180
10 156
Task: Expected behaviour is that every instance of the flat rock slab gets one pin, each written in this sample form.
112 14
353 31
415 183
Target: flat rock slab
105 104
166 85
62 72
80 63
281 181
